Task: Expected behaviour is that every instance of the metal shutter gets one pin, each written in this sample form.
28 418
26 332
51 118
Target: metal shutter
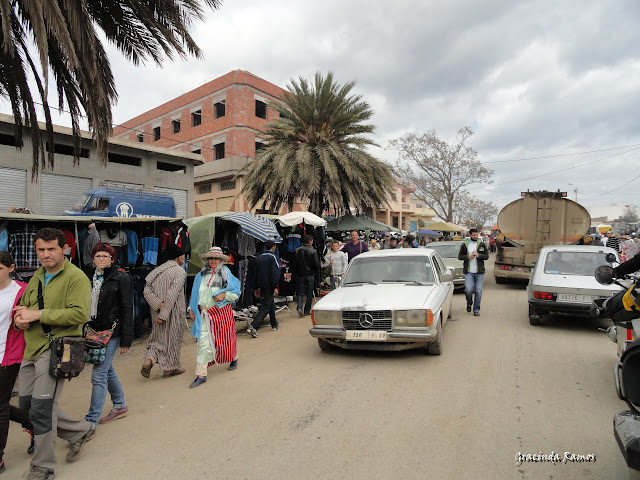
62 192
180 197
14 188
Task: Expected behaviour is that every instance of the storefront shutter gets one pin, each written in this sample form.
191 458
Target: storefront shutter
62 192
180 197
13 192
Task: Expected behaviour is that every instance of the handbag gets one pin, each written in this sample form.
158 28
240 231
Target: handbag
96 344
67 353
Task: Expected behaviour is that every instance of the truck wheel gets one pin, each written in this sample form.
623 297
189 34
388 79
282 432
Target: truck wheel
500 280
435 347
534 317
324 345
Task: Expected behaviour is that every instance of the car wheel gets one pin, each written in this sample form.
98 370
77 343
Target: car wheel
534 317
435 347
500 280
324 345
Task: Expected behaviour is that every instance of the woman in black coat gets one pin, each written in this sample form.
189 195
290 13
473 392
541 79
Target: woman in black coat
111 308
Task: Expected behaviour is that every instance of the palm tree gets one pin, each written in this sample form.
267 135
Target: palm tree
316 151
64 35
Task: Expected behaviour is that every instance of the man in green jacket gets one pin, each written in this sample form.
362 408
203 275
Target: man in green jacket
473 252
67 296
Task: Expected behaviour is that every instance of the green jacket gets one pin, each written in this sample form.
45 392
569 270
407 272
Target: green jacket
483 254
67 300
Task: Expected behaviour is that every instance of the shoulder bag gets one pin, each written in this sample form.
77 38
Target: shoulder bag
67 353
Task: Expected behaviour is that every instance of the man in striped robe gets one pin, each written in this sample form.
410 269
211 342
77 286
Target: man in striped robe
164 292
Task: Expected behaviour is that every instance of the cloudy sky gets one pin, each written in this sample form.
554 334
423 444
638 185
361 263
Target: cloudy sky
551 89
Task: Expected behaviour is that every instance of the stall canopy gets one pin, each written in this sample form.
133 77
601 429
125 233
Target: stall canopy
351 222
294 218
426 231
443 227
202 232
255 225
458 228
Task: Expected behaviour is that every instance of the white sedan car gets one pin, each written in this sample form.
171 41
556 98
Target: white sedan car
389 300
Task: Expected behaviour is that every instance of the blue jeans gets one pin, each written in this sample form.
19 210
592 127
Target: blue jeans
104 379
473 282
304 286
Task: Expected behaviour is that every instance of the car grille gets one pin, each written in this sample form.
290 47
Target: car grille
382 320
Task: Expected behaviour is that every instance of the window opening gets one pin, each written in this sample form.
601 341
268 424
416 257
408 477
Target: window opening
261 109
156 134
196 118
219 109
175 124
219 149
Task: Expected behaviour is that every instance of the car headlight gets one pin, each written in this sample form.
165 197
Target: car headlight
412 318
327 317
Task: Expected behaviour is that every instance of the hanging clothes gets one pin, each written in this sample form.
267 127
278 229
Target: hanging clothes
21 243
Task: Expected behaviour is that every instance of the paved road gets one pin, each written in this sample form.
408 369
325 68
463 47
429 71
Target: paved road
291 411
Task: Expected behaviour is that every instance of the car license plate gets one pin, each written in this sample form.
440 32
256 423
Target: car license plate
572 297
366 335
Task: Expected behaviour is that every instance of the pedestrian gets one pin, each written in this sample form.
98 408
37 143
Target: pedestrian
423 242
355 247
214 291
473 252
410 242
337 263
267 278
492 244
374 244
385 243
164 293
612 241
11 351
306 267
393 243
66 294
111 311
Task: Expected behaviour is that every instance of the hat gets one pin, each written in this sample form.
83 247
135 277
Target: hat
215 252
174 251
373 241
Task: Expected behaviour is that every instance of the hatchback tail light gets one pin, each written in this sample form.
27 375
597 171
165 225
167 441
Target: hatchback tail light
544 295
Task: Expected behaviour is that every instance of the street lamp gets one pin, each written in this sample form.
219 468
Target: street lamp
575 192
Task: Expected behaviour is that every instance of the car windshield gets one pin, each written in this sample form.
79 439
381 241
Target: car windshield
82 203
573 263
389 269
446 251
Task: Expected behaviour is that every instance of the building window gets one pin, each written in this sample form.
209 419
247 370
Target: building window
8 140
219 149
227 185
141 137
206 188
394 197
219 109
175 124
156 134
171 167
259 145
68 150
261 109
196 118
124 159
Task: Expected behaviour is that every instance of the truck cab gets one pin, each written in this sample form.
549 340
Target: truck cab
124 203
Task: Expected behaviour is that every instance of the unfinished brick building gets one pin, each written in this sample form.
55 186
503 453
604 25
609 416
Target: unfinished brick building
221 120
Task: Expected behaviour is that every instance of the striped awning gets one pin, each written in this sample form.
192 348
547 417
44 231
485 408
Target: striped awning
255 225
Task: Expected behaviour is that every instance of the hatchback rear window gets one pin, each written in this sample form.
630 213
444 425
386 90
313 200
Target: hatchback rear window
573 263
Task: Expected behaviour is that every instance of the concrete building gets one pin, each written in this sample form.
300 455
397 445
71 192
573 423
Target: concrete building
59 189
221 120
604 214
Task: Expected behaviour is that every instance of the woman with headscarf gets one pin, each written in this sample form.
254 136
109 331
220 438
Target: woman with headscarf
164 292
215 289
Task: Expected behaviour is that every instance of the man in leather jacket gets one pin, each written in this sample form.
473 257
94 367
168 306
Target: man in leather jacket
306 267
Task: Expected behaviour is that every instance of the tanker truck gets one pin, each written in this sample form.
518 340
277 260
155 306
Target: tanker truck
533 221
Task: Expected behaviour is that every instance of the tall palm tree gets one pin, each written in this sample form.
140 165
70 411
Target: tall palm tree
316 152
64 35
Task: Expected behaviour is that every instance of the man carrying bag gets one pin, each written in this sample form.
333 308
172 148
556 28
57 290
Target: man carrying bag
63 308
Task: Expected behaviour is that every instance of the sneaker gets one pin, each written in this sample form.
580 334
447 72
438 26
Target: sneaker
275 328
197 382
252 331
115 414
476 314
300 313
469 308
233 365
77 447
36 473
32 445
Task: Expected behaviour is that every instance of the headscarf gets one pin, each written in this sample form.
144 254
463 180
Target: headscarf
219 276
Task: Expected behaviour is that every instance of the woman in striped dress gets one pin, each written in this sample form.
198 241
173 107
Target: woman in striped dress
164 292
215 289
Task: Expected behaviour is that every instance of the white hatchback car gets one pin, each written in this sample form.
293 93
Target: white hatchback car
563 282
389 300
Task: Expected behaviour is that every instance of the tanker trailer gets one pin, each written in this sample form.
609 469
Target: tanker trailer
536 220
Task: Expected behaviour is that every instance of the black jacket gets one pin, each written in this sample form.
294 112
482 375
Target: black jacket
267 271
483 254
630 266
114 304
307 262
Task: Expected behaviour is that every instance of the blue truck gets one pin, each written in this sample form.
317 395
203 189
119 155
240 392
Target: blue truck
121 202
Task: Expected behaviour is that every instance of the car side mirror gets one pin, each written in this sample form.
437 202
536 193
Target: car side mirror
610 257
446 277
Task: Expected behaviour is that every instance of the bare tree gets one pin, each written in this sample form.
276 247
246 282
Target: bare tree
472 212
439 170
630 214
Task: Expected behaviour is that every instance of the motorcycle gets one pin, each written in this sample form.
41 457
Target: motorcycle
626 373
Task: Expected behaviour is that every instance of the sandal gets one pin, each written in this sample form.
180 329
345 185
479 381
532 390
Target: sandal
145 371
173 373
